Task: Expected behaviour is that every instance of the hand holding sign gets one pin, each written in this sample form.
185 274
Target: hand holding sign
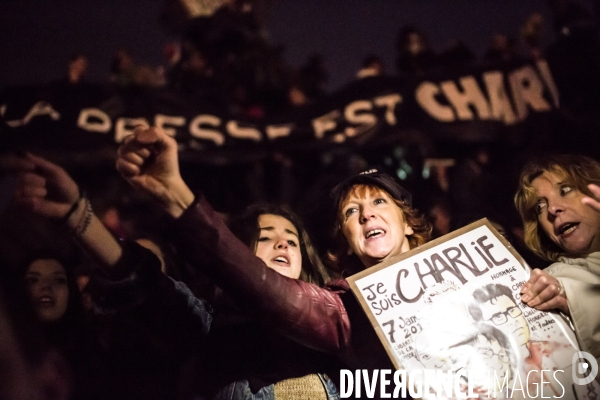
544 292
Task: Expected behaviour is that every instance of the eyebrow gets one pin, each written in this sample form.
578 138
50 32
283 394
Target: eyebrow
270 229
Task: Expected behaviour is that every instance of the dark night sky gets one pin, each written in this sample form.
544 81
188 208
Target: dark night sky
38 36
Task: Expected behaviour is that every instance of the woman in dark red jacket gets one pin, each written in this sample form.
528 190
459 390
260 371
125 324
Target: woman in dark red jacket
374 215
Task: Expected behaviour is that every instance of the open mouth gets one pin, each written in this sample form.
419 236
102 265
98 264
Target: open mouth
281 260
46 301
374 233
567 228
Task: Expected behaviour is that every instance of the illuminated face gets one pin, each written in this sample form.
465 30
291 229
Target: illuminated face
491 363
374 226
569 223
278 245
504 313
46 282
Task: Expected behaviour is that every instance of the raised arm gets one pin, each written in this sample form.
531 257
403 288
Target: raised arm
148 160
131 273
310 315
306 313
48 190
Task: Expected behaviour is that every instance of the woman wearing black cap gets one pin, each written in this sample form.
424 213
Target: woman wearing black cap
373 213
375 221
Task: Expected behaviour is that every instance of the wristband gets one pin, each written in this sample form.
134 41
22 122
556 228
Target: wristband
73 207
85 220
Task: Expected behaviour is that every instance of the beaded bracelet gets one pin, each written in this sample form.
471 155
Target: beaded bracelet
73 207
85 220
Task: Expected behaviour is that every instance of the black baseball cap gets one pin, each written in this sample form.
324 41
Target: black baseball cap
372 177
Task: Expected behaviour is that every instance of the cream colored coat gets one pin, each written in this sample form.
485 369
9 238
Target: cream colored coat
581 279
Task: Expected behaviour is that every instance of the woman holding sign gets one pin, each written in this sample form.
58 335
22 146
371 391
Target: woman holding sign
373 214
558 199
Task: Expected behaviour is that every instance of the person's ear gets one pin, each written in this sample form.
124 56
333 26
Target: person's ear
408 230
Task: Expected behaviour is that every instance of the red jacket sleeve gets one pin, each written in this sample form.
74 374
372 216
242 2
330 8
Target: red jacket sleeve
313 316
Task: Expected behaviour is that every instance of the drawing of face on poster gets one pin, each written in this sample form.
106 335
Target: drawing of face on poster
494 304
447 329
460 312
443 351
431 351
494 362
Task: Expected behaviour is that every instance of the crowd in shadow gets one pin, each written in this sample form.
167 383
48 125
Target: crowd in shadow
225 61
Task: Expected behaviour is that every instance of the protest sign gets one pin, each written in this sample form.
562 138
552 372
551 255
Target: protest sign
451 308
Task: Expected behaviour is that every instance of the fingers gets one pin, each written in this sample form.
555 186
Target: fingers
535 275
155 139
543 292
30 191
147 136
126 168
30 185
136 157
132 159
15 163
558 302
547 294
537 283
595 189
46 167
593 202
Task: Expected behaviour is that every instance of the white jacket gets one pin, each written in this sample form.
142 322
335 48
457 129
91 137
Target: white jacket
581 279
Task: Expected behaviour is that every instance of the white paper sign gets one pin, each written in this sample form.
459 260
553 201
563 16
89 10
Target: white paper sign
454 305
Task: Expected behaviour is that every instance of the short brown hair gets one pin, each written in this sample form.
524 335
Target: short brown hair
338 254
578 171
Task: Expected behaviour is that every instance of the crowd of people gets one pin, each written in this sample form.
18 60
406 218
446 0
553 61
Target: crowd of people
264 316
229 282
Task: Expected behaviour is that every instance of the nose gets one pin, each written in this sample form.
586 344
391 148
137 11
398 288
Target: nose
45 285
281 244
366 213
556 206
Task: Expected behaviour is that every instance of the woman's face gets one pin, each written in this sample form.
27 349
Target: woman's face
46 282
374 226
278 245
572 225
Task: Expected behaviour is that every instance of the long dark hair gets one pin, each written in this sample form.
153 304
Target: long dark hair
75 312
245 227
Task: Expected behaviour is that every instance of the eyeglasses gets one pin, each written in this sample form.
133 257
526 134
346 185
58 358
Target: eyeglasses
501 317
489 353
